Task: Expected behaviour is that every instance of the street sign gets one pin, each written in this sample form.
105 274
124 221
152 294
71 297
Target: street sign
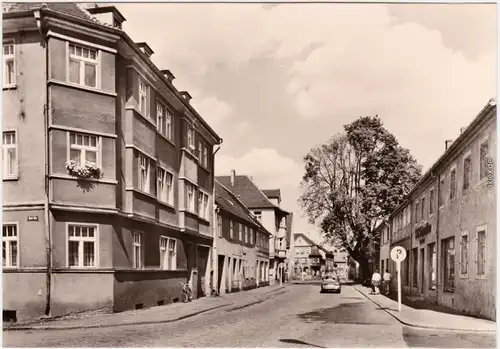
398 254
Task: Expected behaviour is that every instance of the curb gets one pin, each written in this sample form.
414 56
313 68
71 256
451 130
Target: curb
423 326
61 328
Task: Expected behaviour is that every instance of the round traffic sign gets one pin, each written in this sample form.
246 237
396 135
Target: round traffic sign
398 254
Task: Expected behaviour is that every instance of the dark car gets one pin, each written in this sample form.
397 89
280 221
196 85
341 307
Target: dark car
331 283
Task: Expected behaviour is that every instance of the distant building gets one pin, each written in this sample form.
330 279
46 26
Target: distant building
447 224
268 212
311 258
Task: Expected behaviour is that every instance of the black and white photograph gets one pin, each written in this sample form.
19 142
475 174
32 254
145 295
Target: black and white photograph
308 174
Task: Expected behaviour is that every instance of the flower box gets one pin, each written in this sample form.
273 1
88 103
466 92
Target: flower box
89 170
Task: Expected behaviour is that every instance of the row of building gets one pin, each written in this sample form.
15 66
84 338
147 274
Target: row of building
109 193
447 224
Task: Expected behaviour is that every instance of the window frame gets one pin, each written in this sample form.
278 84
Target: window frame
240 231
82 60
6 58
191 144
433 252
431 201
139 244
164 194
81 241
203 201
84 148
7 240
5 148
445 246
172 259
231 229
189 203
422 209
483 140
467 155
479 229
461 261
144 187
453 168
147 95
442 193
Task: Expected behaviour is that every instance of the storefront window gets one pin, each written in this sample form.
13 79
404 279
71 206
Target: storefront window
432 266
449 264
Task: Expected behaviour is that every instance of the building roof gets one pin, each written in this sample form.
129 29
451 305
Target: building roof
67 8
228 202
272 193
310 242
247 191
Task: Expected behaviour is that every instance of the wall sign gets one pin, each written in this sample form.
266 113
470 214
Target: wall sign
423 230
32 218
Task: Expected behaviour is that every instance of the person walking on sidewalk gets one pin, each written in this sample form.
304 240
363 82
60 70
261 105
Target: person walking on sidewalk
387 282
376 279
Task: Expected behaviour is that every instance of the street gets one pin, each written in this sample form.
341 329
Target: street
297 316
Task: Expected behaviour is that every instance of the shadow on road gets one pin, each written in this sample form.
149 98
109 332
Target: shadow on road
347 313
296 341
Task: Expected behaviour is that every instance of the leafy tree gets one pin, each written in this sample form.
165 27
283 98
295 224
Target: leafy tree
353 182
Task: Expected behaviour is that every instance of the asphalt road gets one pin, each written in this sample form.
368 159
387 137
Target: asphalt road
299 316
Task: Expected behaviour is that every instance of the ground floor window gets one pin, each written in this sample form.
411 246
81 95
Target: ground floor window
137 250
481 251
82 245
10 244
415 267
168 248
432 266
449 264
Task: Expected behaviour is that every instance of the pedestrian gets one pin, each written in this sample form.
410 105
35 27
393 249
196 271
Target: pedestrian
376 278
387 282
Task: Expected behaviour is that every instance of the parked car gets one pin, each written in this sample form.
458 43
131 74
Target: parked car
331 283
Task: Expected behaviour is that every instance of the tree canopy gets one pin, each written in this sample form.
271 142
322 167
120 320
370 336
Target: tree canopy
353 182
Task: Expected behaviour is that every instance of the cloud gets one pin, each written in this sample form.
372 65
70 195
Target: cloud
266 166
215 112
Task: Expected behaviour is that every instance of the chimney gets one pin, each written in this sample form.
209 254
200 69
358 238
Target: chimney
233 177
462 129
186 95
145 48
447 144
168 74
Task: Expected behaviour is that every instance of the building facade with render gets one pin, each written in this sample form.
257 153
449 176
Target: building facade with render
242 246
271 216
108 169
450 228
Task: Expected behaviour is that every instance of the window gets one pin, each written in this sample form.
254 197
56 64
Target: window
168 248
203 205
432 265
9 65
200 146
190 206
190 138
168 124
417 212
251 236
9 154
483 159
481 252
205 156
83 64
422 205
10 245
231 229
144 173
240 232
164 189
449 264
467 173
464 254
137 252
82 245
245 231
453 184
83 148
441 192
431 201
258 215
144 98
219 225
414 253
160 118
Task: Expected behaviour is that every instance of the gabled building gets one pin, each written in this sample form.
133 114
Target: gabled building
242 246
311 258
108 169
272 217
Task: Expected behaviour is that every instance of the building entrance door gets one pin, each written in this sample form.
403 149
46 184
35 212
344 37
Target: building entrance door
422 270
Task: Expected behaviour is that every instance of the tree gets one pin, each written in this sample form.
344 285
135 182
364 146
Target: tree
353 182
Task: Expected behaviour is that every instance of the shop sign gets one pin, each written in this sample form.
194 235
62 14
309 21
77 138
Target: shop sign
423 230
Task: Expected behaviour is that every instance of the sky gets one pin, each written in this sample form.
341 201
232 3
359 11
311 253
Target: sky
276 80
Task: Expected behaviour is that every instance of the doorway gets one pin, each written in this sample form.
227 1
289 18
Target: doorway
201 264
220 270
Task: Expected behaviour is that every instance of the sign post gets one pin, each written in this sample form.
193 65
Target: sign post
398 254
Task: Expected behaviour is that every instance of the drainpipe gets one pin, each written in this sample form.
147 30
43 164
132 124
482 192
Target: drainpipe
215 210
48 237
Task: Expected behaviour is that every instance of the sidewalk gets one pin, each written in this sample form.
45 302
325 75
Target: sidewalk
425 318
159 314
